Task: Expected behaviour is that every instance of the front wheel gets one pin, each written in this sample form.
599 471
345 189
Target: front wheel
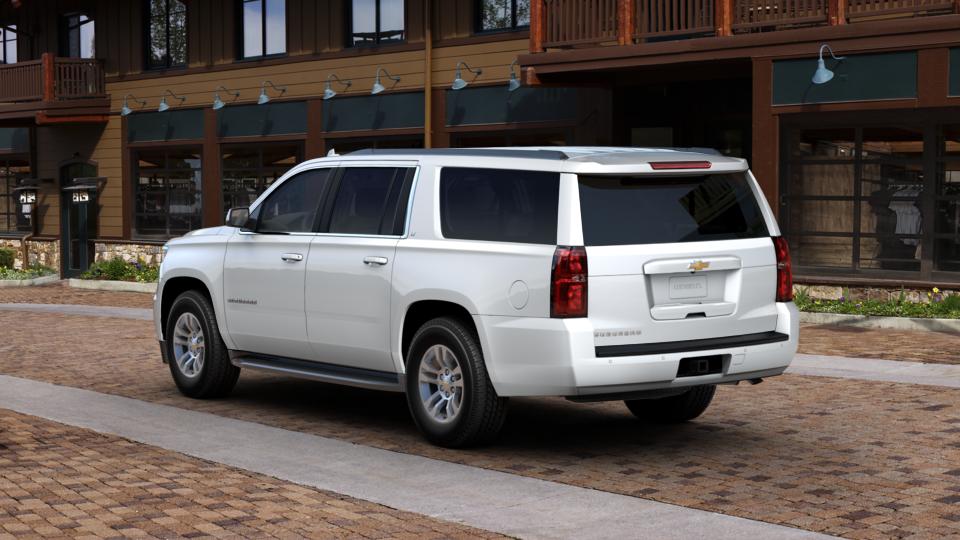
196 353
674 409
448 391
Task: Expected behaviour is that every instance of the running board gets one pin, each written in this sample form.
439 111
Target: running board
319 371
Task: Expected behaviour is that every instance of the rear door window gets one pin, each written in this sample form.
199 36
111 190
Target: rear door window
499 205
623 210
371 201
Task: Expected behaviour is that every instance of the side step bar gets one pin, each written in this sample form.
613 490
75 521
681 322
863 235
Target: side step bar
319 371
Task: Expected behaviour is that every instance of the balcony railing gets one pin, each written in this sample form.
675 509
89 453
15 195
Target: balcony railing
51 79
578 23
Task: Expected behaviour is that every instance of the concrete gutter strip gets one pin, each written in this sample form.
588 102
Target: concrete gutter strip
870 369
43 280
88 311
106 285
490 500
887 323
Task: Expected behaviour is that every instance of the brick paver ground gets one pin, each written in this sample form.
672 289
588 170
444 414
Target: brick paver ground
62 481
843 341
854 458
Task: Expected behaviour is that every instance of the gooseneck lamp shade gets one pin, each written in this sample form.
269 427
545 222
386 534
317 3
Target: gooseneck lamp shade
328 91
164 106
125 110
377 85
823 75
264 98
219 103
514 83
458 82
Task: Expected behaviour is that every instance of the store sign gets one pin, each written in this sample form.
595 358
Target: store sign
81 196
860 77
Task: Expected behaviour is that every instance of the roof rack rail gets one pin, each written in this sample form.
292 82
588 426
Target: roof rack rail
466 152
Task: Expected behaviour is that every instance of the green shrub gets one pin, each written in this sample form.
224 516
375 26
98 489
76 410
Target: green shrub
32 272
121 270
939 307
7 256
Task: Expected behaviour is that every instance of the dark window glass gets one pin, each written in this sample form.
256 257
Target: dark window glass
377 21
499 205
167 38
77 40
504 14
166 192
264 27
946 248
8 44
293 206
249 170
14 216
642 210
366 201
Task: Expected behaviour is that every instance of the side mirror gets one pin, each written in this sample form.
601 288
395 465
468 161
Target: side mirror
237 217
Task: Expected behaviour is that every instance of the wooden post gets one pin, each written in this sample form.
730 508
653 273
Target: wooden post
837 12
956 6
49 77
538 25
625 10
427 77
724 17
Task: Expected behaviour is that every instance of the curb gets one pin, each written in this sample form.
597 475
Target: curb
43 280
888 323
121 286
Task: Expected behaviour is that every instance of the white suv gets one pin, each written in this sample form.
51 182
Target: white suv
464 277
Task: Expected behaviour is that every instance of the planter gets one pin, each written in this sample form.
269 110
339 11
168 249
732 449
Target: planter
42 280
106 285
890 323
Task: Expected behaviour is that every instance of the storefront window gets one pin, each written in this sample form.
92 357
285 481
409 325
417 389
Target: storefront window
249 170
946 249
854 198
13 215
166 192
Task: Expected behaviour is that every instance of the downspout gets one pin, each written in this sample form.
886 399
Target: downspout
427 76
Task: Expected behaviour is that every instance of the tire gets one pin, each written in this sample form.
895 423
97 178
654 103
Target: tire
673 409
480 413
216 376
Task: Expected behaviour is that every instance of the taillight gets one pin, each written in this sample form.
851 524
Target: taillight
568 283
784 270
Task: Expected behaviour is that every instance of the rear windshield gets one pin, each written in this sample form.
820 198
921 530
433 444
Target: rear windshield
623 210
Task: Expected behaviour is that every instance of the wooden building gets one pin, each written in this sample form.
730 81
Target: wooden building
864 169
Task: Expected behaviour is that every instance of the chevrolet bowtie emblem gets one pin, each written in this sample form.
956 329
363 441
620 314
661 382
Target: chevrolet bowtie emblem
696 266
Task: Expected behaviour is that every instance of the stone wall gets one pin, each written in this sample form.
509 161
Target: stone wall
151 254
16 245
836 292
45 253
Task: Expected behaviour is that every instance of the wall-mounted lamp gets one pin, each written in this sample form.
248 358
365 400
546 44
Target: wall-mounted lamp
264 98
217 102
514 83
328 92
822 74
126 110
377 87
164 106
458 82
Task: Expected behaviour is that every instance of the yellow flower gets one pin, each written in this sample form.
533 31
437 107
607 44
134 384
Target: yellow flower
936 290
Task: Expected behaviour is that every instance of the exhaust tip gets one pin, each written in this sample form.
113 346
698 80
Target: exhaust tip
756 381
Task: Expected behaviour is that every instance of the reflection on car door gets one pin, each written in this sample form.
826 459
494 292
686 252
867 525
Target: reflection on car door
350 265
264 270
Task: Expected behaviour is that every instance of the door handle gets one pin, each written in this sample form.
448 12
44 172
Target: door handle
292 257
371 261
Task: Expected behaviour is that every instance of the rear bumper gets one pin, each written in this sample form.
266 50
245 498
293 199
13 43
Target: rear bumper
558 357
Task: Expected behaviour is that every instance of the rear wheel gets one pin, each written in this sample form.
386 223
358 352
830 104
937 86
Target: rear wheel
197 356
673 409
448 391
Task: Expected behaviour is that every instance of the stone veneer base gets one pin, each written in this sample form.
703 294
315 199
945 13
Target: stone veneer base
106 285
42 280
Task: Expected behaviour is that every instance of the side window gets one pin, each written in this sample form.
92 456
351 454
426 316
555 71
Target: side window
370 200
499 205
293 206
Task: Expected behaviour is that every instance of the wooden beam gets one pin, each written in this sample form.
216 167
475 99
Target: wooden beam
538 25
724 17
625 11
838 12
43 119
49 77
765 136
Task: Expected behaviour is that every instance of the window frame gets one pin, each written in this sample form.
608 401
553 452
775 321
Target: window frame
263 32
71 22
166 150
260 148
147 43
513 27
6 29
378 42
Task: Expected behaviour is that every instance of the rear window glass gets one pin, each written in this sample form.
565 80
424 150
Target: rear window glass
619 210
499 205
